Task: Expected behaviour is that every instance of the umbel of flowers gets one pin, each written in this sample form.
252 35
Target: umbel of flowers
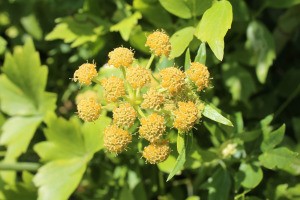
157 102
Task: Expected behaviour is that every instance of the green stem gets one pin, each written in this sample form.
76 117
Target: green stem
20 166
140 111
150 61
161 182
95 80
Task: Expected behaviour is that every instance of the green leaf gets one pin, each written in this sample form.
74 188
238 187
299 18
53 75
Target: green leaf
177 7
149 11
23 97
249 175
187 60
214 115
240 10
218 185
78 29
126 25
271 139
198 7
239 81
201 54
180 40
260 41
185 149
32 26
281 4
214 25
168 165
68 149
281 158
3 44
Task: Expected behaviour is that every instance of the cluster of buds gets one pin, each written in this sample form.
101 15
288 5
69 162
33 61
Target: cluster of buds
155 103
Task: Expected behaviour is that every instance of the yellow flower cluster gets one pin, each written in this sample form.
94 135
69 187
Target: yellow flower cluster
141 101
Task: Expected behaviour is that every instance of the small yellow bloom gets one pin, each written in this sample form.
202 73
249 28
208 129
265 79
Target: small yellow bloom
199 74
121 56
157 152
86 95
185 116
152 127
172 79
114 88
159 43
152 99
124 115
85 74
138 77
116 139
88 109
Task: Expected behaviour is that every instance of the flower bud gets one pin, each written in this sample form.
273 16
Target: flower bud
185 116
116 139
137 77
157 152
120 56
172 79
85 74
199 74
88 109
124 115
114 88
159 43
152 127
152 99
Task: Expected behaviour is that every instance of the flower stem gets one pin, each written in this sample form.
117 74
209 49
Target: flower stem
20 166
150 61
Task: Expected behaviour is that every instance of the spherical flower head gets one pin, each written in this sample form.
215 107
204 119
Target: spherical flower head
153 99
185 116
85 74
156 152
138 77
114 88
124 115
199 74
152 127
159 43
121 56
172 79
88 109
116 139
86 95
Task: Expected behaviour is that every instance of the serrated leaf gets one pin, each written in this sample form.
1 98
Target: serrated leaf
260 41
126 25
201 54
218 185
177 7
23 97
68 149
271 139
249 175
214 25
182 155
180 40
214 115
281 158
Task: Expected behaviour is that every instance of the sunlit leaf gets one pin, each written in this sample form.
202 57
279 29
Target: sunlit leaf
180 41
271 139
214 115
201 54
177 7
214 25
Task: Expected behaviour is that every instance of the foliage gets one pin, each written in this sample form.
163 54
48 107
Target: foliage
245 147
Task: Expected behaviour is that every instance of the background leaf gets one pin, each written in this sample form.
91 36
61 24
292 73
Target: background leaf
177 7
214 115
